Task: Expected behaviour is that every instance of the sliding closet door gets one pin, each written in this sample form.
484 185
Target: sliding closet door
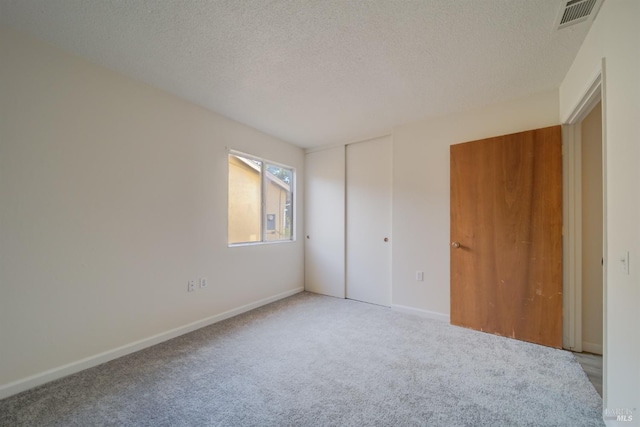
369 221
324 222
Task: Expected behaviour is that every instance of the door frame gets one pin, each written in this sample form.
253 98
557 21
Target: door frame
572 213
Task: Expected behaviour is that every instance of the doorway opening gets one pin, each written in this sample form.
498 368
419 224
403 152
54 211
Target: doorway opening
592 255
584 313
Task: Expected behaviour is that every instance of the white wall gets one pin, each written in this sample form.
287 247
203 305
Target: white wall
421 192
112 196
614 36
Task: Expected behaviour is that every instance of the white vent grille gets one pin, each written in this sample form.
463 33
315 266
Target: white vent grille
576 11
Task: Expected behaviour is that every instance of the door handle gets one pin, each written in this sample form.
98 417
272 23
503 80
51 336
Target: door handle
455 245
386 239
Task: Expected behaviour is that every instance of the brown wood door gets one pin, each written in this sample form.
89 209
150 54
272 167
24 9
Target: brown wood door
506 215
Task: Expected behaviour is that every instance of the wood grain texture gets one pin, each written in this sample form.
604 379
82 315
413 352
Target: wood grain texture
506 212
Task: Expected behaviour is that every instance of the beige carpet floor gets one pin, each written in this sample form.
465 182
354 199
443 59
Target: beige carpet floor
312 360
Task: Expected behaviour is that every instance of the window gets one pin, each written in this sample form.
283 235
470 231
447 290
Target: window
260 200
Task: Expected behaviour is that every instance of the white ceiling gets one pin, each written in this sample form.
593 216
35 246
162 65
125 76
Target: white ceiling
317 72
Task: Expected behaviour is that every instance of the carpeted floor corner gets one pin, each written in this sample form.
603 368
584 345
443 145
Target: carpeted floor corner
311 360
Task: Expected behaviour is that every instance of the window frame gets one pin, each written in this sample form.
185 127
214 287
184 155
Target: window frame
263 188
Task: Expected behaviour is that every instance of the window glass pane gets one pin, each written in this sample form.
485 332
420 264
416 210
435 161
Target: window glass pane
244 200
278 203
260 200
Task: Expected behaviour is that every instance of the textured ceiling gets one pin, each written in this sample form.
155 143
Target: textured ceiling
315 72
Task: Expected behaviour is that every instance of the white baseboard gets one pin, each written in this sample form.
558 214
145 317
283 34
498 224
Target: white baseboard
424 313
16 387
592 348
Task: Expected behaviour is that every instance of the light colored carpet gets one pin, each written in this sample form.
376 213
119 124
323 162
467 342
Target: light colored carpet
311 360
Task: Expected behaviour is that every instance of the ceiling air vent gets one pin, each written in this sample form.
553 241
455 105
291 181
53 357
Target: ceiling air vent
576 11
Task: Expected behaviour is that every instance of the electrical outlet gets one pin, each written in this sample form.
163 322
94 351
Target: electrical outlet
203 282
419 276
191 286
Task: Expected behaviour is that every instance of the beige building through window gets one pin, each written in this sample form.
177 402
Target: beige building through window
260 201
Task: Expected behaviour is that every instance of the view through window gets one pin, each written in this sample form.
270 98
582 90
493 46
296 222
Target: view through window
260 200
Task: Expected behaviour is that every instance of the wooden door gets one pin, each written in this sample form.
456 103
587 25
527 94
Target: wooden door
506 234
369 221
324 222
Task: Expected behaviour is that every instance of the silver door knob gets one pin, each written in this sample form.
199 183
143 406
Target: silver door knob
455 245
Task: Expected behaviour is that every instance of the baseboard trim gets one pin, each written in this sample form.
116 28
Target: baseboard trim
424 313
32 381
592 348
